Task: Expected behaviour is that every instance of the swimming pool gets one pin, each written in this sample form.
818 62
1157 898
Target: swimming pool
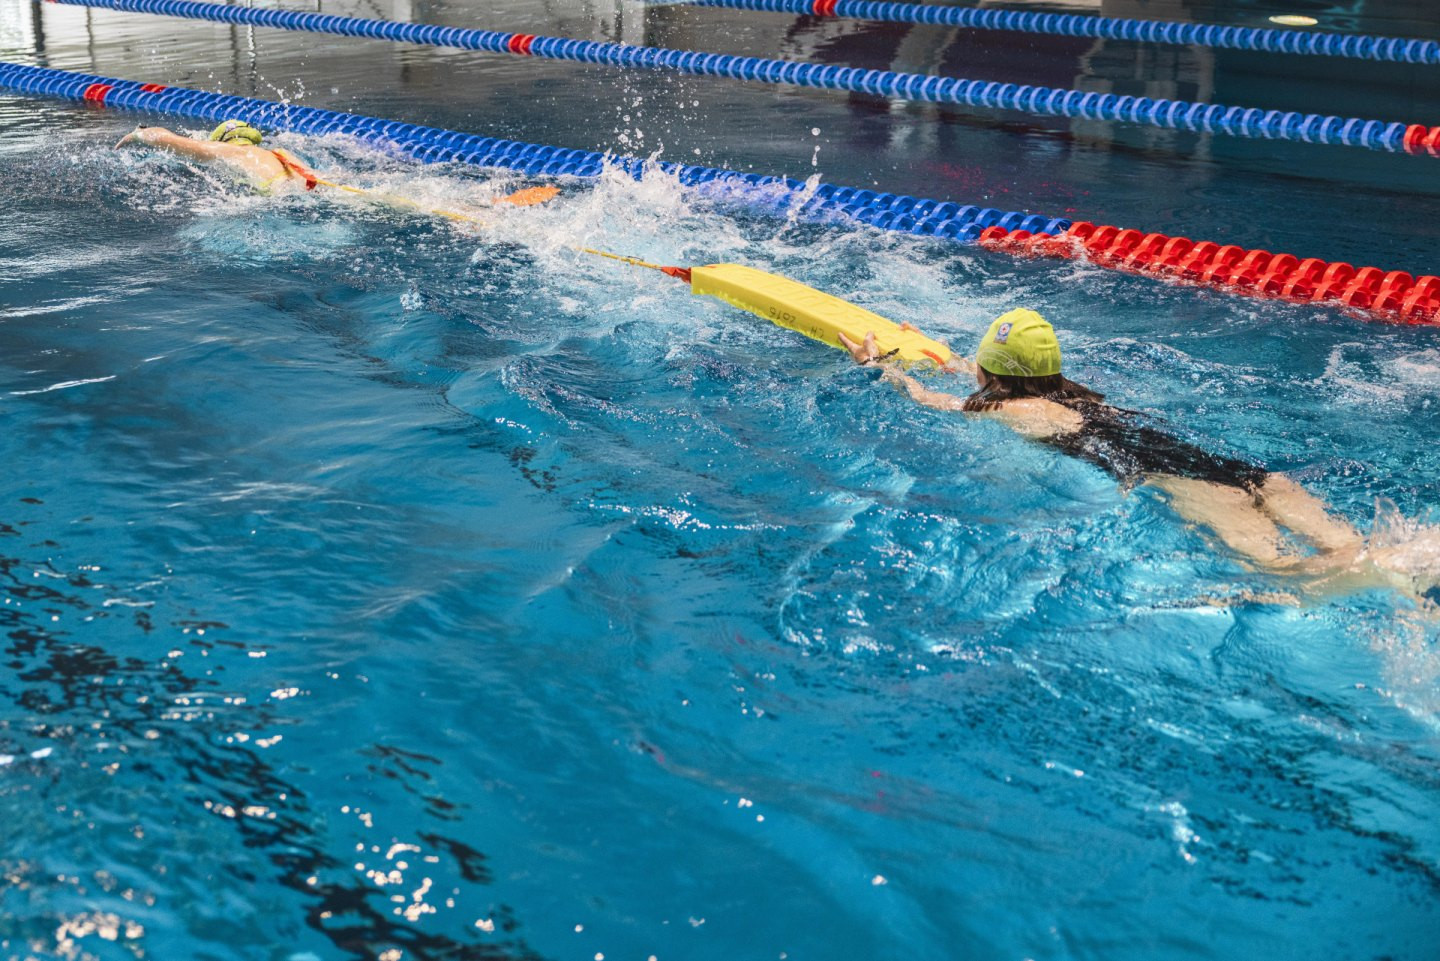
373 586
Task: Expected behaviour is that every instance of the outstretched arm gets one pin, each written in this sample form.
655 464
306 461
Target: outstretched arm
1031 416
866 353
159 137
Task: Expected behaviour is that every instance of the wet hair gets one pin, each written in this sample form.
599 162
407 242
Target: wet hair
1002 387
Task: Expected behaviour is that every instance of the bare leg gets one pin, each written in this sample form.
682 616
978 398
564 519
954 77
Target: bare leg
1230 514
1302 512
1342 564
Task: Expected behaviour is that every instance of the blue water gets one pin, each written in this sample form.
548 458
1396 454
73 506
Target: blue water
375 588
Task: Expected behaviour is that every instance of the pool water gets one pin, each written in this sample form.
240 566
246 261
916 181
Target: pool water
374 587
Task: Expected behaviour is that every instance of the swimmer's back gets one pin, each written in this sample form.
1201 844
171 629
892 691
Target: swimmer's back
1129 447
266 169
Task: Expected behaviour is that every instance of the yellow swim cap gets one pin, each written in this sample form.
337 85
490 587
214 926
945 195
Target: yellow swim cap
1020 343
236 131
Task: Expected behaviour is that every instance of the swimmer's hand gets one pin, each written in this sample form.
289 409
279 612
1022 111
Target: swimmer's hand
860 353
866 352
134 136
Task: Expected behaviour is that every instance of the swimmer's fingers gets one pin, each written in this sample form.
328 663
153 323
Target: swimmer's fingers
906 325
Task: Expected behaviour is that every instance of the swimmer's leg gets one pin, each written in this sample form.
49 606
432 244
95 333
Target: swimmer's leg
1228 512
1302 512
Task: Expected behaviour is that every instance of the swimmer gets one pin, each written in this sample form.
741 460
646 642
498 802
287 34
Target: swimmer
1017 371
234 145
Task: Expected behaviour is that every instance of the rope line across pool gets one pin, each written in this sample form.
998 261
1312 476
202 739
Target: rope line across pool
1248 122
1269 40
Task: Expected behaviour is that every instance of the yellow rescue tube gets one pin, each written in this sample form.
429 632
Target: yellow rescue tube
812 312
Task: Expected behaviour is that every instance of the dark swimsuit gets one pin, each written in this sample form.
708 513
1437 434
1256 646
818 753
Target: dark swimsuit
1122 444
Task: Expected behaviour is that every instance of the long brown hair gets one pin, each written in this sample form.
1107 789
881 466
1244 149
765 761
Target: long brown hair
1002 387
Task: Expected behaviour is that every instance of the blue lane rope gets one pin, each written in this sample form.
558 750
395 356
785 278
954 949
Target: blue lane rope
1357 46
825 203
1173 114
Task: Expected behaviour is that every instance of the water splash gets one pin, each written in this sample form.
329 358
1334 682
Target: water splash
1405 545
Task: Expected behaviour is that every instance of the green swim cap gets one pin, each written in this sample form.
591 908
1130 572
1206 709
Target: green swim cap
1020 343
236 131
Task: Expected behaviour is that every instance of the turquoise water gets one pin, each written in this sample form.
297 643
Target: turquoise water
375 588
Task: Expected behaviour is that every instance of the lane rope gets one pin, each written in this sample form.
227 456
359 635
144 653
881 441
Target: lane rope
1251 122
820 203
1390 295
1269 40
1381 294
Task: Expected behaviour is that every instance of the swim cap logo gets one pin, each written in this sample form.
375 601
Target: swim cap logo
1003 334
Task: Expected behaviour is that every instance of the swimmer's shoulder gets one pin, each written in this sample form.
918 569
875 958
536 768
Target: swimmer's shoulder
1038 418
259 164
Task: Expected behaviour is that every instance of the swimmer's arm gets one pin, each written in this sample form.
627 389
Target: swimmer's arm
1030 416
866 352
163 139
956 364
919 393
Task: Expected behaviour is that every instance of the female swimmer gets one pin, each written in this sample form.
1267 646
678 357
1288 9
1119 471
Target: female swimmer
1017 368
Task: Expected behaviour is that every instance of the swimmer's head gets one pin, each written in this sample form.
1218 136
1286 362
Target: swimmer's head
237 132
1019 357
1020 343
